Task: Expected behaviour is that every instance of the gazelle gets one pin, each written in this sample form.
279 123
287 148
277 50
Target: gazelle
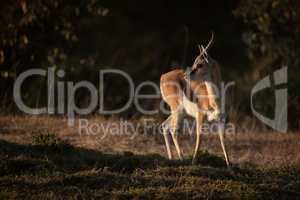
194 93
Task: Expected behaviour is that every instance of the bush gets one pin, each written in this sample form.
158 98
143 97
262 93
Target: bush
44 138
206 158
49 140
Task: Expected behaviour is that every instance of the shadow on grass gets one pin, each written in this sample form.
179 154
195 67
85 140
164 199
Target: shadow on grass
67 158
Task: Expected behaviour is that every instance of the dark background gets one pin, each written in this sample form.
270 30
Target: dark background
146 39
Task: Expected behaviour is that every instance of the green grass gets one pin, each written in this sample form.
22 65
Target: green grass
62 171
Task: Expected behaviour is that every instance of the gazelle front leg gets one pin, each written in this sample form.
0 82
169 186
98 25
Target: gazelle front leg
212 94
199 122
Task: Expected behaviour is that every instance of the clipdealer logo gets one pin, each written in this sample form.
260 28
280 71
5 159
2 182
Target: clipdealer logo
280 122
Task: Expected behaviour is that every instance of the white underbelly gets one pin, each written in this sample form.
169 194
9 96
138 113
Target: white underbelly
190 107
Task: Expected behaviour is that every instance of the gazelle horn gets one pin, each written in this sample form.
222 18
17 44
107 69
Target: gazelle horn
210 42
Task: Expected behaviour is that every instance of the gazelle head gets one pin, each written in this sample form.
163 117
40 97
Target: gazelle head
203 59
202 62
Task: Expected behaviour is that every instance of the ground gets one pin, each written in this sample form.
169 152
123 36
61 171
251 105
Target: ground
44 158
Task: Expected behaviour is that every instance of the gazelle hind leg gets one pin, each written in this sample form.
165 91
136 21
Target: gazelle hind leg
174 132
166 136
166 129
221 135
199 121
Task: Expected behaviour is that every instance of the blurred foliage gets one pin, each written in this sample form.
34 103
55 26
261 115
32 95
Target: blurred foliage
272 28
41 31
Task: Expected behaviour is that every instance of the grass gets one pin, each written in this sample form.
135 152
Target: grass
47 165
33 172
